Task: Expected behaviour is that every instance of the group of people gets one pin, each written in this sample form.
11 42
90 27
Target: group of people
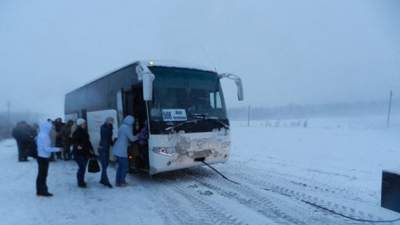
60 136
77 136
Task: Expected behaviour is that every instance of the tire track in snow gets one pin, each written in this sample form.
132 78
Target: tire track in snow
173 185
166 206
310 195
252 199
293 180
296 194
212 213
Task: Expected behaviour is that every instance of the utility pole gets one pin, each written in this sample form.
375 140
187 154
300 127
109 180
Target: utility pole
390 109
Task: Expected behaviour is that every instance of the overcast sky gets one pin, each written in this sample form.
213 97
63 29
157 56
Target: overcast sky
305 52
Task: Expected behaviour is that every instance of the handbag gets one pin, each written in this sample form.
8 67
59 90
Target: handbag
94 166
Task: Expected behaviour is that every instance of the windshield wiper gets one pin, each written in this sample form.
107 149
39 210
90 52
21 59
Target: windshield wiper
199 117
172 128
206 117
226 126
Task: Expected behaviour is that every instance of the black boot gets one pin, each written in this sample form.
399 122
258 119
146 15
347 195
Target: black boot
107 184
82 185
45 194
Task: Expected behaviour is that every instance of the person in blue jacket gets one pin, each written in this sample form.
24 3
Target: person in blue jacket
106 141
44 152
120 150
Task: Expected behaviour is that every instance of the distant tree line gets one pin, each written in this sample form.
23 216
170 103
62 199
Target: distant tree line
311 111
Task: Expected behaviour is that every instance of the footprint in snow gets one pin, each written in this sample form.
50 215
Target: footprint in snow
206 193
193 186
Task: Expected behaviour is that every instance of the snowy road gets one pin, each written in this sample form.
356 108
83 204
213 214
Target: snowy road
281 171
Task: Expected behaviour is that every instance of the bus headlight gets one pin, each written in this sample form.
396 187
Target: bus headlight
168 151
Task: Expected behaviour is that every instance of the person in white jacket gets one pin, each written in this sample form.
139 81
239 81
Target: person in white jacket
44 152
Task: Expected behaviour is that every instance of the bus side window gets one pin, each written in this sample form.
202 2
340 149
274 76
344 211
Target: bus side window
215 100
212 100
218 102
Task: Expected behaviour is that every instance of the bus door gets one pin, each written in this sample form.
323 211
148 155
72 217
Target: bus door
135 106
140 113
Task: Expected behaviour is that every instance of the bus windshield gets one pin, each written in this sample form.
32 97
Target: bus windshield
185 94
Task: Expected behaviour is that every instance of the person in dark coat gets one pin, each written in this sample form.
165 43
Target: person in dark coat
16 133
33 133
66 134
82 150
106 141
21 135
143 137
58 126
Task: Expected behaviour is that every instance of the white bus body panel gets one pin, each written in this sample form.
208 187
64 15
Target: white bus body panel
213 147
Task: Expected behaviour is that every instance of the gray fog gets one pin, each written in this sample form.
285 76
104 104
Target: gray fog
304 52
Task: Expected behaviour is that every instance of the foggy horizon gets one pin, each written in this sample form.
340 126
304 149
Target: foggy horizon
315 141
309 52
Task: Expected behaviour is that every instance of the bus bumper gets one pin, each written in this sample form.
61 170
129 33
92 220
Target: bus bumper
154 170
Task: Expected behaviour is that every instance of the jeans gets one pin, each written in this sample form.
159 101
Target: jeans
122 170
82 162
41 180
104 157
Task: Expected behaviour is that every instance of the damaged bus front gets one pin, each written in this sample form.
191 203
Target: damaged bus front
187 114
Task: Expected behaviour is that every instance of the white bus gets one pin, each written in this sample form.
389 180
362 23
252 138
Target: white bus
182 106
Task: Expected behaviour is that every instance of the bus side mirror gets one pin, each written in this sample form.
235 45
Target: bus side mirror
238 82
239 85
148 79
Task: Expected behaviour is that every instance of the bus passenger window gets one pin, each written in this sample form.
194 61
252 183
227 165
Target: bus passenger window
218 102
212 100
215 100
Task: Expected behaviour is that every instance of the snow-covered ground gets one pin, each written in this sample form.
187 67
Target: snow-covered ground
281 165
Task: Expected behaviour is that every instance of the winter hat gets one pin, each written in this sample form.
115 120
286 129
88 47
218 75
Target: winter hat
80 121
129 120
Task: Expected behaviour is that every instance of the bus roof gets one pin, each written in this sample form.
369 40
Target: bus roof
176 64
162 63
